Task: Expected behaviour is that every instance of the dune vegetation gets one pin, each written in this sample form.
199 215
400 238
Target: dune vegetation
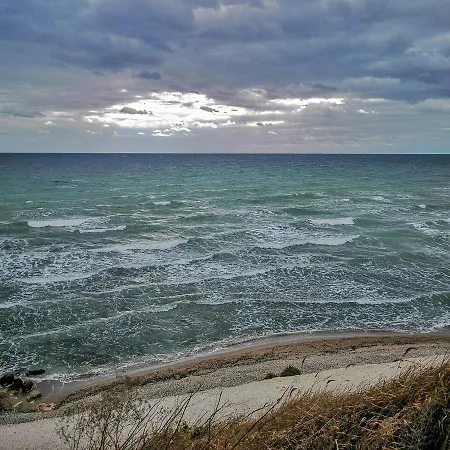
411 411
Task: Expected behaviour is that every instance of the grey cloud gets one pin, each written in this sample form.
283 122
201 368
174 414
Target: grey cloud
208 109
243 43
149 21
237 52
77 33
22 113
305 41
96 52
322 87
147 75
128 110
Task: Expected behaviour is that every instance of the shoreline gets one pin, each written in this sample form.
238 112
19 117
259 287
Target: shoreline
265 348
238 377
236 365
247 400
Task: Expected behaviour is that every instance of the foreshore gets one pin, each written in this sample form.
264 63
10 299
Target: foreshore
253 350
251 361
240 371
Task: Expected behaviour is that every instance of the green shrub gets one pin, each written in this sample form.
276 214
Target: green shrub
290 371
270 375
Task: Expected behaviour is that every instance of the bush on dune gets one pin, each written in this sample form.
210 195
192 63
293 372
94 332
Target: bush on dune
290 371
411 411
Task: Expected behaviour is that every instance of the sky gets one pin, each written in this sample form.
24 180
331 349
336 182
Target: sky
264 76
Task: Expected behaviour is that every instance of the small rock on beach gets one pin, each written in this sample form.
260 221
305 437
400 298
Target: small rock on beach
34 395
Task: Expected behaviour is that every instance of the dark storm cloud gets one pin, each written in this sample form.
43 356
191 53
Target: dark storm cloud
154 22
104 53
387 60
265 42
77 33
327 42
147 75
322 87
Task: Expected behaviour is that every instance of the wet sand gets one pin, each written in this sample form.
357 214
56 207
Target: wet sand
253 350
237 377
248 362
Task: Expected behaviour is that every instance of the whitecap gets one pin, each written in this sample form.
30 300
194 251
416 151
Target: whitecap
57 278
56 223
104 230
422 206
333 241
99 320
162 203
426 229
143 245
341 221
327 241
8 305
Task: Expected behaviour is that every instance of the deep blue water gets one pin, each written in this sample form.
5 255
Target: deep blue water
115 260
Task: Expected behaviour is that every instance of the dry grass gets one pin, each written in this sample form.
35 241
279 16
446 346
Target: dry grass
411 411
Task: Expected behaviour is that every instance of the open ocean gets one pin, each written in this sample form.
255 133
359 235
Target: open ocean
115 261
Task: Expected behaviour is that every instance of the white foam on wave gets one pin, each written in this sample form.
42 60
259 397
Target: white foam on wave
56 223
337 221
333 241
143 245
98 320
422 206
162 203
13 304
363 300
426 229
104 230
212 302
50 278
327 241
378 198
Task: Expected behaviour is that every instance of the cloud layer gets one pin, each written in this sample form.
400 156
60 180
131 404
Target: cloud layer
269 75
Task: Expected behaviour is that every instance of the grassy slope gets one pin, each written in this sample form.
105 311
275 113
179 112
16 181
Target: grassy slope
411 411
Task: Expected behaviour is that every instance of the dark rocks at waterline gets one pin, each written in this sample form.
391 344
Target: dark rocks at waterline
27 386
4 400
6 379
16 385
35 372
10 382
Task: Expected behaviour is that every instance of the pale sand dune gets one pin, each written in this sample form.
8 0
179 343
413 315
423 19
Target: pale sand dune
235 400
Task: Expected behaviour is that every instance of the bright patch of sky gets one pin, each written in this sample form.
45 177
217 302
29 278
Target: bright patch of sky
167 113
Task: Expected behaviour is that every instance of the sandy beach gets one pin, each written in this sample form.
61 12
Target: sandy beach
236 376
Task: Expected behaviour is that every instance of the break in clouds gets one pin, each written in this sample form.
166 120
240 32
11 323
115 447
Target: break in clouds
229 75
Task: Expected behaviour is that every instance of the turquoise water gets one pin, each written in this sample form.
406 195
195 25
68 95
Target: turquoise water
112 261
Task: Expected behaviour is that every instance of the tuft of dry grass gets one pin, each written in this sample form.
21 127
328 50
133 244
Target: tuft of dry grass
411 411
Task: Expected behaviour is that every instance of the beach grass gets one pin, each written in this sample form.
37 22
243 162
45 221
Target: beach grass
410 411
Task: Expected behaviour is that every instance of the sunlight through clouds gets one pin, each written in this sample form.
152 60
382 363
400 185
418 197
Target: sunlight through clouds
174 112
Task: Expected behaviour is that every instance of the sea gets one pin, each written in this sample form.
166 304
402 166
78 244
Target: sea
110 262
